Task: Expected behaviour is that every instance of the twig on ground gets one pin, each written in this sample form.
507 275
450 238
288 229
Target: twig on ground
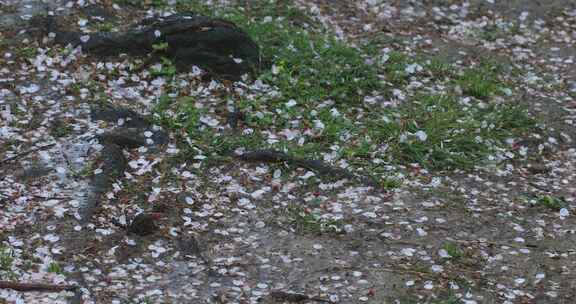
21 154
294 297
497 244
35 286
50 197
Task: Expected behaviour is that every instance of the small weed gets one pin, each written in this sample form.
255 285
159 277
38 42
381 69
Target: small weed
160 47
146 300
186 115
395 68
481 81
6 258
551 202
453 250
26 52
391 183
440 133
439 69
105 27
61 129
451 299
6 261
54 268
167 69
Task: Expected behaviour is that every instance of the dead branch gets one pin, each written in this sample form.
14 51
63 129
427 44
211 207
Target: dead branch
9 159
35 286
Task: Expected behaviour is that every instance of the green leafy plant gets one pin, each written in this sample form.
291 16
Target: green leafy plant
6 261
551 202
54 268
160 47
453 250
167 69
481 81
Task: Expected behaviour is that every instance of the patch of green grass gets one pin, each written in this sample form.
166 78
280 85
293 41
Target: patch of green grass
178 113
6 258
551 202
6 261
4 42
160 47
26 52
439 68
453 250
492 33
54 268
480 81
329 80
438 132
158 3
390 183
105 27
450 299
167 69
395 68
222 145
306 65
61 129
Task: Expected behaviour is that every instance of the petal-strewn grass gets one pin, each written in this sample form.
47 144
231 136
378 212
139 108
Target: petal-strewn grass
321 85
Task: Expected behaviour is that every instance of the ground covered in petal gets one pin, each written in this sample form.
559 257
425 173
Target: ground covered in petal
382 152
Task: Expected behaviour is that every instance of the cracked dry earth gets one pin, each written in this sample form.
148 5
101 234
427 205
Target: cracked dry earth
226 237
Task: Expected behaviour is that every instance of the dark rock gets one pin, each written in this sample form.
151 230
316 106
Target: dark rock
113 166
234 117
145 223
159 137
538 169
125 138
278 295
269 156
189 245
97 12
216 45
111 114
113 163
129 136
